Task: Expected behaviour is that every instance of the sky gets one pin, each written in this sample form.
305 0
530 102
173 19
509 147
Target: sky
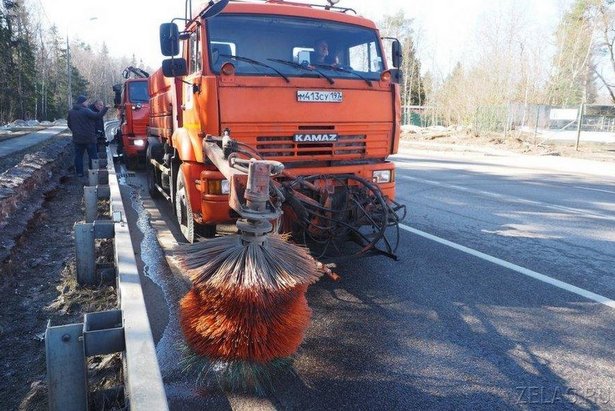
443 28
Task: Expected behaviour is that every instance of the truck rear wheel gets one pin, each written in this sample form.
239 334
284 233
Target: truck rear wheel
130 163
183 210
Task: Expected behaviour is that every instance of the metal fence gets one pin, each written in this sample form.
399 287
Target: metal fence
518 116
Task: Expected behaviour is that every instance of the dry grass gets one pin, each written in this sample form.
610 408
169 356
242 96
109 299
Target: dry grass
73 298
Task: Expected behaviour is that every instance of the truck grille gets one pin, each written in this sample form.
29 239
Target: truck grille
284 146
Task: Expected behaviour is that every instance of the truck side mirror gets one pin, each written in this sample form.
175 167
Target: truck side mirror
169 39
174 67
396 53
215 7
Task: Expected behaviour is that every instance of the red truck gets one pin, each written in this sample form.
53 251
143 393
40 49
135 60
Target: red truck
249 71
132 101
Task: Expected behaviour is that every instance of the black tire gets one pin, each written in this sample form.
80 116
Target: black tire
131 163
154 151
206 230
183 210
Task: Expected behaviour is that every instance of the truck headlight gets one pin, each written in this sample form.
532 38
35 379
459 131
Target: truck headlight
226 186
218 187
381 176
139 143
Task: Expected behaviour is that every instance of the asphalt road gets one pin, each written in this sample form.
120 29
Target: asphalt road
442 328
17 144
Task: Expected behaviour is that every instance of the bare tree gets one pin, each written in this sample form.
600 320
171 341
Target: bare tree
571 79
506 67
400 27
605 30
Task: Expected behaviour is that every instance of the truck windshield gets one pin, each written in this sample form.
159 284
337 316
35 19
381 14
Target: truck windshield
137 92
316 44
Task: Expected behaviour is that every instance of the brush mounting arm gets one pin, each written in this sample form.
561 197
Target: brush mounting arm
250 181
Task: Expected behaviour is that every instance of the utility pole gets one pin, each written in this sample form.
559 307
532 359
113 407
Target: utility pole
580 117
68 68
68 74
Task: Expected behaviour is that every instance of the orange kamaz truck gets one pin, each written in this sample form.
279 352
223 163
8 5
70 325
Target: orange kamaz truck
251 77
132 101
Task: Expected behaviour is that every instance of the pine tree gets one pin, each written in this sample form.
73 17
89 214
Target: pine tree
17 67
5 66
25 59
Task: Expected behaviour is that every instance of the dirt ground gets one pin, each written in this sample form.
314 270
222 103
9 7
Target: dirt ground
37 285
526 143
13 159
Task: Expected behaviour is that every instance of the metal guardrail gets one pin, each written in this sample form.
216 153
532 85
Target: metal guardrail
126 330
111 127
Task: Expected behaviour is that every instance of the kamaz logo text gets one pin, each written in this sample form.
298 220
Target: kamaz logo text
314 138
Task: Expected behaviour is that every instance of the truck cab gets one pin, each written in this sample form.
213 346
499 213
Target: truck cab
253 69
132 102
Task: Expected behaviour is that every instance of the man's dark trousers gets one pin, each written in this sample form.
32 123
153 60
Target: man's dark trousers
80 148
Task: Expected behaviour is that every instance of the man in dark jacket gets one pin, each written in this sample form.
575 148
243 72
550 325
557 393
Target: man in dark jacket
99 125
82 122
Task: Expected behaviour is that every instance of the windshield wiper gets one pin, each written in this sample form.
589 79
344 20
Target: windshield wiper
256 63
343 70
304 67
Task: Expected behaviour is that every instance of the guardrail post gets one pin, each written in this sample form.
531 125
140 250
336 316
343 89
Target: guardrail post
93 177
66 369
91 203
67 348
84 247
92 194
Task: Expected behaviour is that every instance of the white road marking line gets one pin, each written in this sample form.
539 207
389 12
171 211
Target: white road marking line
521 270
595 189
578 211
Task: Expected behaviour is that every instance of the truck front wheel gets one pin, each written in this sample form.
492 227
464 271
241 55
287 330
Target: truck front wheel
154 151
183 211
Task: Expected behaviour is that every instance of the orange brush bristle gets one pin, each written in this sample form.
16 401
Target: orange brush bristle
222 327
248 300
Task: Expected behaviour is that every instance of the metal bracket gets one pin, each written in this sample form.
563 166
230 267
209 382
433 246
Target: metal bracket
96 177
103 333
99 163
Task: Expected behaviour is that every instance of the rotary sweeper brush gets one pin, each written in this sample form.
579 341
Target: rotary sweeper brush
247 305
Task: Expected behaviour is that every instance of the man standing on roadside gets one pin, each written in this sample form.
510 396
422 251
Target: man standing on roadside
99 124
82 123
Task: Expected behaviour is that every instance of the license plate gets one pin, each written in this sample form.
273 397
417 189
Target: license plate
316 96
